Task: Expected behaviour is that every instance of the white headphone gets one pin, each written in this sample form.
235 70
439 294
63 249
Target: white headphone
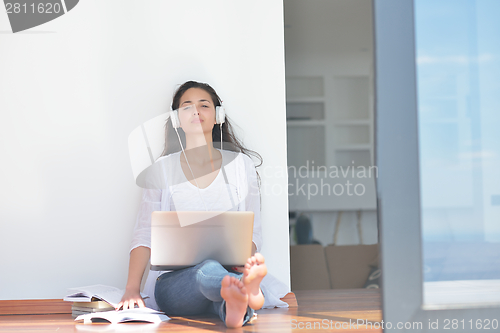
220 117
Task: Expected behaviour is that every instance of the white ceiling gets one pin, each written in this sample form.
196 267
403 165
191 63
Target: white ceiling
328 26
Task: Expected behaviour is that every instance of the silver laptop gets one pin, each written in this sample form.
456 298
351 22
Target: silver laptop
184 239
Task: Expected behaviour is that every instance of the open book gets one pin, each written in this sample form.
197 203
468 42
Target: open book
107 294
138 314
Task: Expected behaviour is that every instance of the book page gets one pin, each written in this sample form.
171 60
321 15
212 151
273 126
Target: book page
77 298
109 294
138 314
112 295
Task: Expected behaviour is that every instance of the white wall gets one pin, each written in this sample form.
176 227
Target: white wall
72 90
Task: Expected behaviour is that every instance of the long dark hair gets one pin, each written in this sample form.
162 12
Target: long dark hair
230 140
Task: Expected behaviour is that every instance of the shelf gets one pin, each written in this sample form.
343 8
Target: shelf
305 111
305 122
351 97
346 135
352 122
298 87
306 144
360 157
305 100
354 147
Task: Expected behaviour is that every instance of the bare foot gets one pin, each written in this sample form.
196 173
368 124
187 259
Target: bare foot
235 294
255 270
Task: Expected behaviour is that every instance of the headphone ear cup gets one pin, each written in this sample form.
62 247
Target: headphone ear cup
175 119
220 115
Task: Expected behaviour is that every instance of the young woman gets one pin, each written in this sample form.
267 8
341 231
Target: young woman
194 182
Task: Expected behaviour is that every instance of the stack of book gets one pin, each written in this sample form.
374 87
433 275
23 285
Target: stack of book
95 303
90 299
80 308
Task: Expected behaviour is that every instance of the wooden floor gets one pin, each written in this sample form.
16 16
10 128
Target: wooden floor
318 311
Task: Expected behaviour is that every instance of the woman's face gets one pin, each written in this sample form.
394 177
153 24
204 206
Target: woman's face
196 111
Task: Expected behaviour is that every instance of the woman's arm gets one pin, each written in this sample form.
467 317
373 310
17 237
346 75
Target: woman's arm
140 245
252 202
139 258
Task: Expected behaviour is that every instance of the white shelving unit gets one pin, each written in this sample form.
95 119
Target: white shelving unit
329 83
306 120
330 120
351 120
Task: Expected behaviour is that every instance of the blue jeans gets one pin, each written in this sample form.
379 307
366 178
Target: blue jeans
195 290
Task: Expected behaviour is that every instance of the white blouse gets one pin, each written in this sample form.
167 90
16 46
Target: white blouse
170 190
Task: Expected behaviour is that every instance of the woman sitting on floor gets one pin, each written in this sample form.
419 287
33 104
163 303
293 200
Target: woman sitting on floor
207 287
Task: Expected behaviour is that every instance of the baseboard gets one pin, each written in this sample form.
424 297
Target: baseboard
58 306
34 306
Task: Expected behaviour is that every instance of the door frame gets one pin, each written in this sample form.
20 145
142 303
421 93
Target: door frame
398 184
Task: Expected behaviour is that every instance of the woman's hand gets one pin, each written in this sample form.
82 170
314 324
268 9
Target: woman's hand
130 299
139 258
